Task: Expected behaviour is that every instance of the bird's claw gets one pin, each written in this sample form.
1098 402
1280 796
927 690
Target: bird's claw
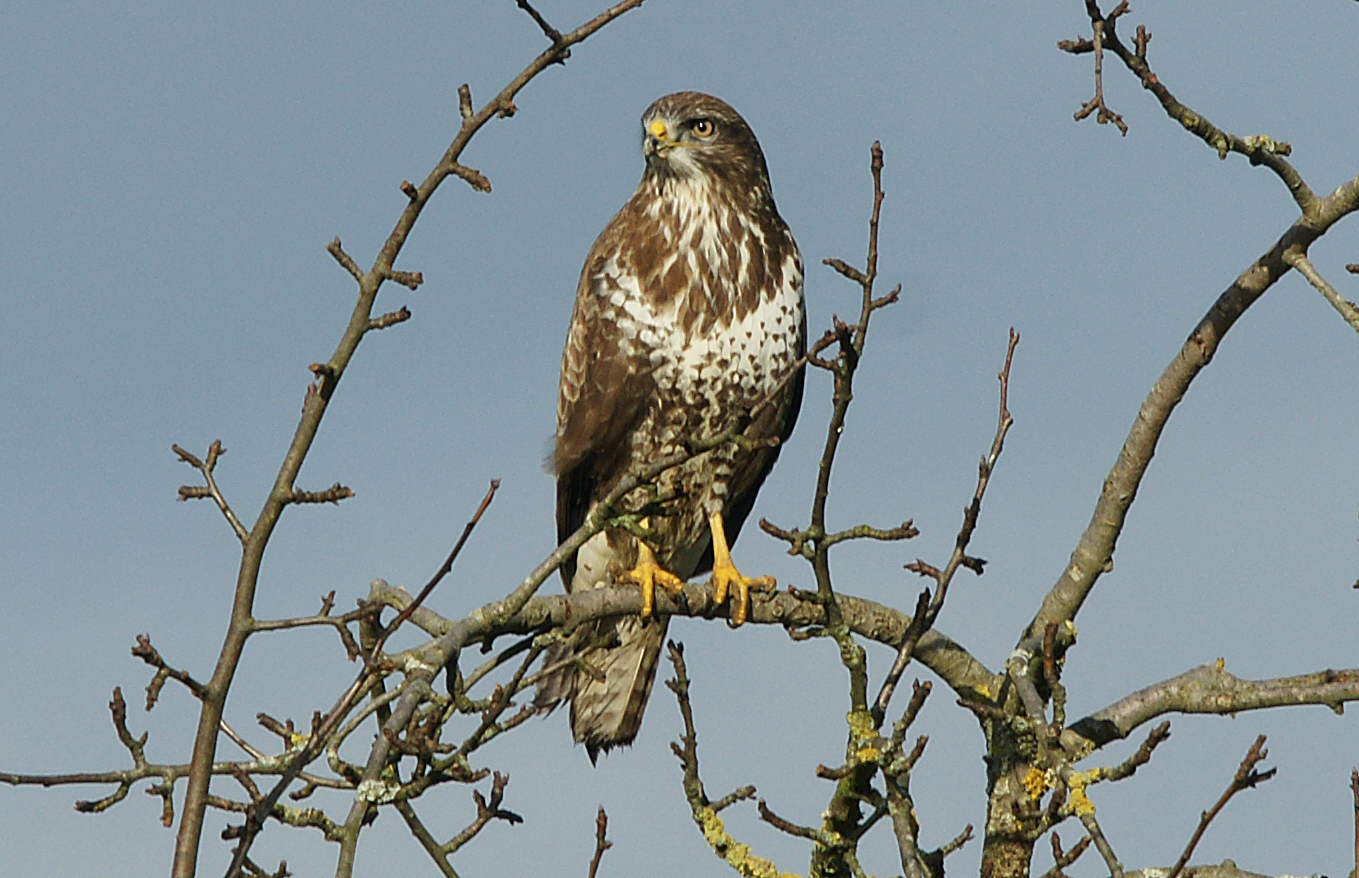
727 578
648 574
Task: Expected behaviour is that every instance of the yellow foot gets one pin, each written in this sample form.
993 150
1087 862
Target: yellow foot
727 578
648 574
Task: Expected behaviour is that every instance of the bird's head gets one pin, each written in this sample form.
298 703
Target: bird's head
691 134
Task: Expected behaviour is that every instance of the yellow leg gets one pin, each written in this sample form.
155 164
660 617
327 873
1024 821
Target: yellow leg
649 573
726 576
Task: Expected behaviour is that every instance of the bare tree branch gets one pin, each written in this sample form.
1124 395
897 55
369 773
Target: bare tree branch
1096 835
1260 150
1060 859
1094 551
1354 788
1246 778
602 842
189 492
318 396
1347 309
730 851
1208 689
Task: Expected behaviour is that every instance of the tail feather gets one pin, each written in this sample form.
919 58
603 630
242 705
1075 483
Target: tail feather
610 680
606 710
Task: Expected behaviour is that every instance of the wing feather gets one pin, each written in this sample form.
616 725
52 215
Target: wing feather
606 385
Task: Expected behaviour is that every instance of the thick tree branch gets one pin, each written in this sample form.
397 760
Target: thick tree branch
795 610
1094 551
1208 689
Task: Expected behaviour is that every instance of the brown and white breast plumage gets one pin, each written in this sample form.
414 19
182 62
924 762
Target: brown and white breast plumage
687 321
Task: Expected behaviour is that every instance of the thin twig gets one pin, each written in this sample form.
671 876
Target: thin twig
782 825
686 750
548 30
149 654
1096 834
190 492
1246 777
1060 859
889 684
1260 150
602 843
929 607
426 839
441 572
1347 309
1354 788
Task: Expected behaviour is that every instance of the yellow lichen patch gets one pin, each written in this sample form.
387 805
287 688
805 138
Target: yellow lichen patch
860 724
735 854
1036 782
1079 802
868 754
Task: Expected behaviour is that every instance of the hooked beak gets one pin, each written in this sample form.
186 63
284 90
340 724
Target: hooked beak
658 139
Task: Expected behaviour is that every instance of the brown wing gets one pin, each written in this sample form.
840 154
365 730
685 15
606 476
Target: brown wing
606 386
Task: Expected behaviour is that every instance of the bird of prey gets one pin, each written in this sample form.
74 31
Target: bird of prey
687 325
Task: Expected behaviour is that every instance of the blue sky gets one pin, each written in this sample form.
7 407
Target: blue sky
170 176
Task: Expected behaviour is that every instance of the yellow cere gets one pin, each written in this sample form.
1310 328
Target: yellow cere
657 129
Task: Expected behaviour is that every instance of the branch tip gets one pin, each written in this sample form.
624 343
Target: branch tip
465 101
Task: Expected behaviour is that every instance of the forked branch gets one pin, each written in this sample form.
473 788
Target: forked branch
1246 778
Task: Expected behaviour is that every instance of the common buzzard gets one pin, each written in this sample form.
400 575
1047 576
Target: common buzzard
687 322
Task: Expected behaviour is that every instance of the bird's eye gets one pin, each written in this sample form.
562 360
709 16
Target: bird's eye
703 127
